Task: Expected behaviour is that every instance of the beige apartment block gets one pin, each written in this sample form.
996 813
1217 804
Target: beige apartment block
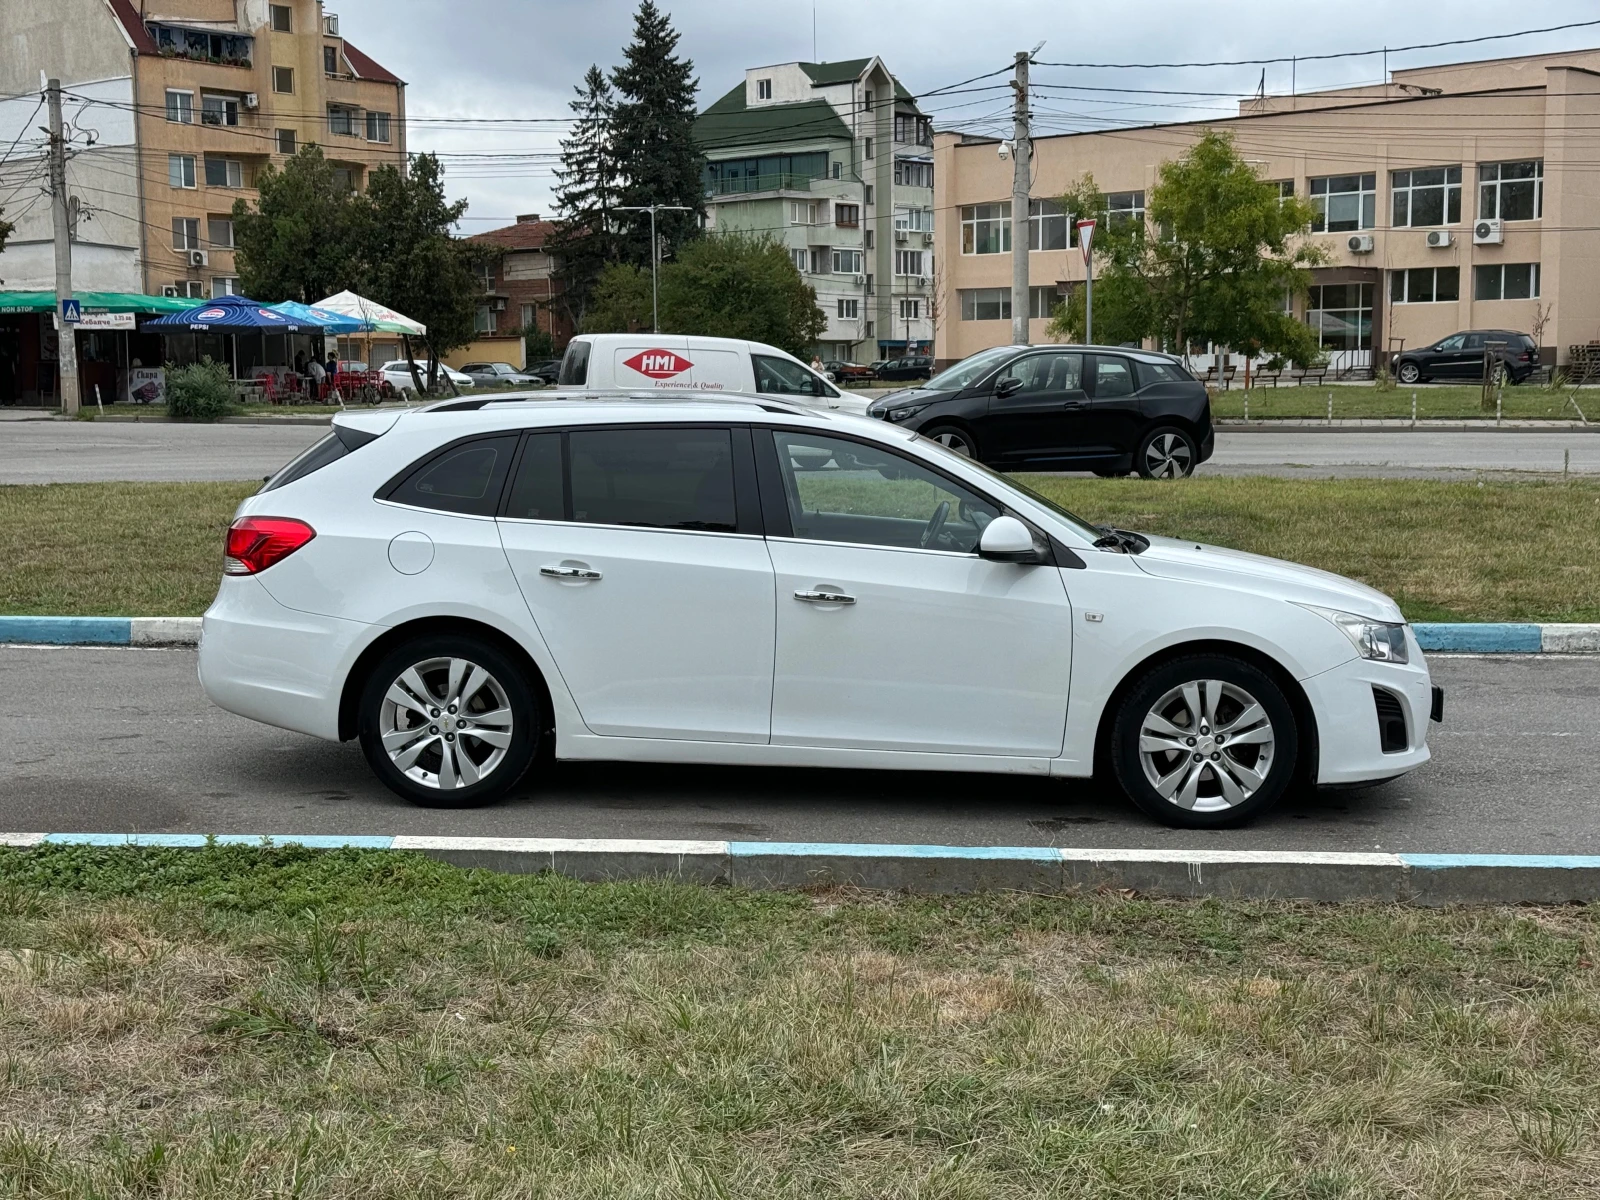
1463 196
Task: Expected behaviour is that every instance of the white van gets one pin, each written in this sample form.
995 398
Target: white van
631 361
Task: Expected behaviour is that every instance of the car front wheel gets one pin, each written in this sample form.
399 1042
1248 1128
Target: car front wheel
448 722
1166 452
1409 373
953 437
1204 741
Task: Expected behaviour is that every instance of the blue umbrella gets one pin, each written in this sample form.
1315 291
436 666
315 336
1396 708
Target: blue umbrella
332 322
232 314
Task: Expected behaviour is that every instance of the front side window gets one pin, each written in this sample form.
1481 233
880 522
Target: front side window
1041 373
842 491
180 170
985 304
654 478
180 107
986 228
1506 281
1426 196
780 377
1344 202
1425 285
1047 225
1511 191
462 479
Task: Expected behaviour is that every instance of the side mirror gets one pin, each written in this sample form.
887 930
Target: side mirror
1007 387
1006 539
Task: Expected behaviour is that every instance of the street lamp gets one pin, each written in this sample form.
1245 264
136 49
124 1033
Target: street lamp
655 251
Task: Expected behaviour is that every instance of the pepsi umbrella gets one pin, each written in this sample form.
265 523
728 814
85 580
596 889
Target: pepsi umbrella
232 314
322 318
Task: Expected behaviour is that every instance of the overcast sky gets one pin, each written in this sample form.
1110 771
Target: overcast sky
470 62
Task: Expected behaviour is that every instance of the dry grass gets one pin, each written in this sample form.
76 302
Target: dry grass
234 1022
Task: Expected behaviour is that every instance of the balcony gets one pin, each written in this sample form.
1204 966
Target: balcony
782 181
224 49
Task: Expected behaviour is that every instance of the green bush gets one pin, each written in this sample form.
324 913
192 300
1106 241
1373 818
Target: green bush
199 392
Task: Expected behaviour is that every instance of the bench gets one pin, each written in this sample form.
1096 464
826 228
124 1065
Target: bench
1304 375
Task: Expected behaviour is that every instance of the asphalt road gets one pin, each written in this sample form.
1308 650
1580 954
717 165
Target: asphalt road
122 740
83 452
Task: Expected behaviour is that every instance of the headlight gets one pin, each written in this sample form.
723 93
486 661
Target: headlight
1383 641
905 412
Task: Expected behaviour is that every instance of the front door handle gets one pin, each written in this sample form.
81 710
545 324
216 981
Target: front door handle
569 572
1075 404
824 597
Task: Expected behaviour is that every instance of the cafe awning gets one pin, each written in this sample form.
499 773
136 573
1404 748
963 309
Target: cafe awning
93 302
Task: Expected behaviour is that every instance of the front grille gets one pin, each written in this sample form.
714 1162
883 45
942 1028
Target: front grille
1391 721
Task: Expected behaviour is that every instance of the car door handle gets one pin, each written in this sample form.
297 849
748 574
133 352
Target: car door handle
569 572
1075 404
824 597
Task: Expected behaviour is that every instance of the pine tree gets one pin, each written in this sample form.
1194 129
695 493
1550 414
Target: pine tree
652 135
584 240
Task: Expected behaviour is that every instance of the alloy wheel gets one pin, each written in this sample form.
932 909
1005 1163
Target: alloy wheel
446 723
951 439
1409 373
1168 456
1206 745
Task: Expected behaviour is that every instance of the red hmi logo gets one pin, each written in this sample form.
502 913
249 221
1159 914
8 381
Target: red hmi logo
658 364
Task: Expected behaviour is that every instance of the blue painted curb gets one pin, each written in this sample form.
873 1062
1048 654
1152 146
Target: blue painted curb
1486 638
67 631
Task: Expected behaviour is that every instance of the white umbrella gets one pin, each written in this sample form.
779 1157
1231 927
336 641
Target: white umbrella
382 318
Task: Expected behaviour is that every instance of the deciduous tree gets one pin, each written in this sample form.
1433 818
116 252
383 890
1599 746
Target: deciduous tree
299 241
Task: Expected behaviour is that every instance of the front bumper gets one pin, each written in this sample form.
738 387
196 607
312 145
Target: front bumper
1348 733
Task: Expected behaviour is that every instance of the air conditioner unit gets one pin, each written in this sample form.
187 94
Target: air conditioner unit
1488 233
922 281
498 304
251 100
1360 243
1438 239
198 258
170 292
901 235
861 279
927 238
330 25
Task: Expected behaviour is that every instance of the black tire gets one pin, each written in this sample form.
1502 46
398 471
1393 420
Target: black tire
519 698
1408 373
954 437
1210 807
1166 452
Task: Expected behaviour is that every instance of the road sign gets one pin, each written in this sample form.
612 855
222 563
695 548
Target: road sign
71 312
1085 237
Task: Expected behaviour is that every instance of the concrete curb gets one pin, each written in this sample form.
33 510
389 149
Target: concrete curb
1448 638
1421 879
1393 425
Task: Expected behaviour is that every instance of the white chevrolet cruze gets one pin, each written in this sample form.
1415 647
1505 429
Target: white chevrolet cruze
482 585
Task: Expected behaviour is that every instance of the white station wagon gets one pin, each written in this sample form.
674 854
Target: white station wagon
676 578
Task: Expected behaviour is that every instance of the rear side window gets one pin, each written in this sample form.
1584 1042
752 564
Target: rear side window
536 491
464 478
330 449
1112 378
575 365
656 478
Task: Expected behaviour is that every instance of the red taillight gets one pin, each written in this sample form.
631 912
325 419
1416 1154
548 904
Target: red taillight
255 543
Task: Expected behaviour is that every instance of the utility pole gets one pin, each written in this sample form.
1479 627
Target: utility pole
655 251
67 335
1021 183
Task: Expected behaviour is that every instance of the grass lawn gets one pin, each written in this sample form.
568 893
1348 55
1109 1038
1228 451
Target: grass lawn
1528 402
238 1022
1447 551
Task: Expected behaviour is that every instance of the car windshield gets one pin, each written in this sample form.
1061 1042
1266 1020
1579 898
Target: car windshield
969 370
1082 528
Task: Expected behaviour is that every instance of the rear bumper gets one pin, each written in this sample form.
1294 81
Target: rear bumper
1351 745
274 664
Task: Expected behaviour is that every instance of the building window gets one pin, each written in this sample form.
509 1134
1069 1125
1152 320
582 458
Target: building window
1285 190
915 220
1344 202
847 215
1506 281
913 129
1511 191
330 60
483 320
849 310
867 103
765 173
341 120
802 260
838 169
344 178
1124 207
1426 196
911 173
286 141
282 18
820 260
985 304
866 237
180 170
283 80
530 317
847 262
866 147
1047 225
224 172
869 283
1341 313
180 107
219 110
192 288
908 262
377 127
1425 285
224 285
1042 302
910 310
763 89
866 193
186 233
802 212
219 232
986 228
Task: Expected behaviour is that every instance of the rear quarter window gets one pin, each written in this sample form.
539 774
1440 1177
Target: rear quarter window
1160 372
465 478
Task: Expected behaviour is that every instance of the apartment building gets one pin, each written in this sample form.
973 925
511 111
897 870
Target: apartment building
520 291
1452 197
835 161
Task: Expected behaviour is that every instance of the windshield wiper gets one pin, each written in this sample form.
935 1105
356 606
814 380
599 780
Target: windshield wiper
1121 539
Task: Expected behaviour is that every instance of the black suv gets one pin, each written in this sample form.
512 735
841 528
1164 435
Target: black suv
1460 356
1104 409
916 366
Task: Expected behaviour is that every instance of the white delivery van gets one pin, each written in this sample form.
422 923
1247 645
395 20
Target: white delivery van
631 361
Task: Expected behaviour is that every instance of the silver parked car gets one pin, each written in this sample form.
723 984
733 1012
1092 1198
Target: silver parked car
490 374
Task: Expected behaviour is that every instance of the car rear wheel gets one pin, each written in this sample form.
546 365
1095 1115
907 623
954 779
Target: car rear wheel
449 722
1166 452
1409 373
953 437
1204 741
